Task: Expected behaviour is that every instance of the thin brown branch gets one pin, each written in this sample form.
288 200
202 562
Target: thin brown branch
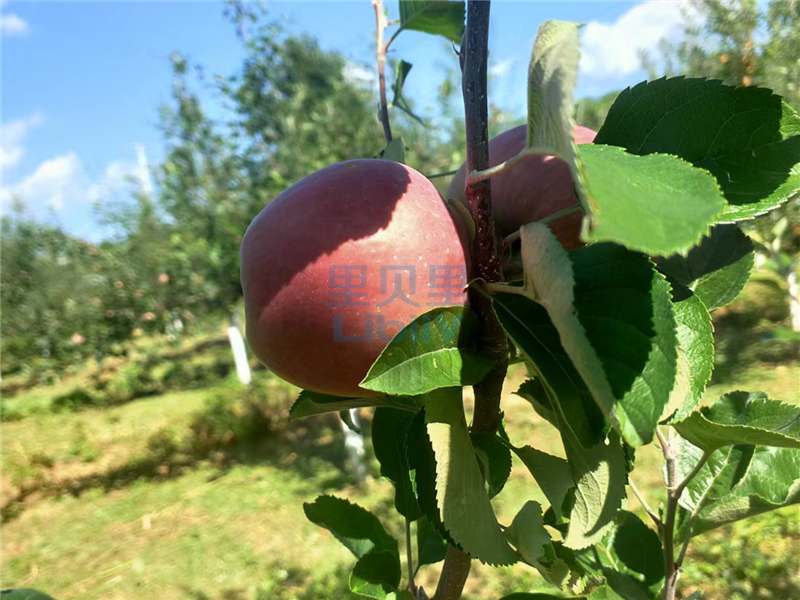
380 25
650 512
675 489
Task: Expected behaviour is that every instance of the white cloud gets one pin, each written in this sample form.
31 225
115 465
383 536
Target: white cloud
501 68
611 50
358 74
115 178
63 185
12 135
11 24
49 185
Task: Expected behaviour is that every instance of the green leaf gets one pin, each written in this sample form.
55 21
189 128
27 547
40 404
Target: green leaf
463 503
312 403
530 538
742 135
605 593
695 335
395 150
552 474
431 547
355 527
529 327
743 418
658 204
422 465
495 460
614 316
389 427
636 550
399 101
737 482
527 532
716 270
434 17
552 74
600 477
625 586
435 350
376 574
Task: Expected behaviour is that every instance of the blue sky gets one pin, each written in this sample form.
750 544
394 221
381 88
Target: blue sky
82 81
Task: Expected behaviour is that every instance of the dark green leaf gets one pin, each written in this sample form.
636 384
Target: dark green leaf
461 497
312 403
636 549
389 428
495 459
658 204
553 475
743 418
433 351
376 574
434 17
358 529
737 482
529 327
715 270
431 548
600 478
742 135
533 391
695 335
625 586
614 317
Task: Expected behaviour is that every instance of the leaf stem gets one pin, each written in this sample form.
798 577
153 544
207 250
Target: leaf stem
442 174
650 512
383 112
410 559
477 175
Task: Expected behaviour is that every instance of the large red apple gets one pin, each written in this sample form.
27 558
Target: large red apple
534 189
341 261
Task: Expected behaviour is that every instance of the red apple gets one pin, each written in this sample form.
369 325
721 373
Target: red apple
532 190
341 261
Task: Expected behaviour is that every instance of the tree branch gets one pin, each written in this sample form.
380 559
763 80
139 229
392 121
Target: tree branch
380 25
671 566
485 263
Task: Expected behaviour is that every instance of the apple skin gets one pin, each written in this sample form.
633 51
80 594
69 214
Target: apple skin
368 213
534 189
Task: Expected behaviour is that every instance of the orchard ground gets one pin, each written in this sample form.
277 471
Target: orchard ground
118 484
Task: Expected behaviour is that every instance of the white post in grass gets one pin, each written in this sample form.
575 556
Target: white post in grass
239 354
354 447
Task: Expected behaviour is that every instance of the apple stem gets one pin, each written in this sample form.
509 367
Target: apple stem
485 262
480 175
383 112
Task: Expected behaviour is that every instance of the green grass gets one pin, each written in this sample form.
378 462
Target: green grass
129 506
